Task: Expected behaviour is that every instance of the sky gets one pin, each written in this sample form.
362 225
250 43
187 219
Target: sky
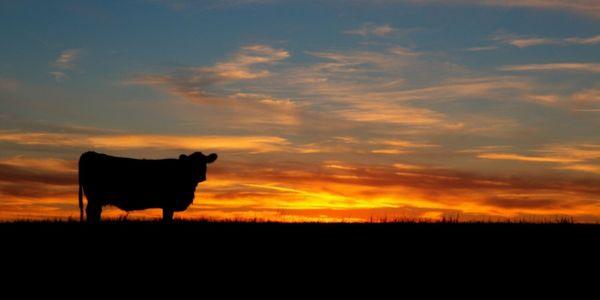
319 110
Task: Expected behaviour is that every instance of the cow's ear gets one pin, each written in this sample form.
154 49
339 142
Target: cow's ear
182 156
211 158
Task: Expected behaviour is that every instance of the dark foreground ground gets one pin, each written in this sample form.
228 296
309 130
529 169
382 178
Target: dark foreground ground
205 235
202 247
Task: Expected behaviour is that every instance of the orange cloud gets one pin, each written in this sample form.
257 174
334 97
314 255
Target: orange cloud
576 157
581 151
202 83
508 156
251 143
589 96
582 167
43 164
257 144
399 146
240 66
407 167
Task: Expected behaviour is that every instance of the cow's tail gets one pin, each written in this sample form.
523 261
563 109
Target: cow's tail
80 196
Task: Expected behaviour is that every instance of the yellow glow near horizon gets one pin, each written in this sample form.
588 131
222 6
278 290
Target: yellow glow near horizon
340 192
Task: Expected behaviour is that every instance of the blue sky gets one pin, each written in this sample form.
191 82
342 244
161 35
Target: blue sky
503 92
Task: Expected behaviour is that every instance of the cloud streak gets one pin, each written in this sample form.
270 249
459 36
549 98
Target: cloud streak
517 157
372 30
198 83
578 157
573 67
257 144
595 169
584 7
530 41
65 62
67 59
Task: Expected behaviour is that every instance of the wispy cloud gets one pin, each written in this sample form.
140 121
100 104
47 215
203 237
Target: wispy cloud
390 113
545 99
195 83
404 144
65 62
392 146
518 157
584 41
240 66
585 99
379 89
45 164
589 7
59 76
222 85
371 29
407 167
582 167
256 144
67 59
30 186
580 151
530 41
587 96
521 41
482 48
576 157
586 109
579 67
584 7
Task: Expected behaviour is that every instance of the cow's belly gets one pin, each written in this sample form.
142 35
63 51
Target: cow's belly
142 200
140 197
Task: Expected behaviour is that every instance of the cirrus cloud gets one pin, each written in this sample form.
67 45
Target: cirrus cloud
371 29
575 67
257 144
521 41
201 83
67 58
584 7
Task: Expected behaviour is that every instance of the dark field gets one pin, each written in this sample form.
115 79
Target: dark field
313 247
265 234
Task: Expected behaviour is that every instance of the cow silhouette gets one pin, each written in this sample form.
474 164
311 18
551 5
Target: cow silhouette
136 184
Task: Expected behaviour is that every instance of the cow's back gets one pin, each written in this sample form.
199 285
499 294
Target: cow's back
132 184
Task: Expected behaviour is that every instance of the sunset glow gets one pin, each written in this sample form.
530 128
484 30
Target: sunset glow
323 111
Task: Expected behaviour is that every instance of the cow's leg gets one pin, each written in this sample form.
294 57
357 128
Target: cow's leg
93 212
167 215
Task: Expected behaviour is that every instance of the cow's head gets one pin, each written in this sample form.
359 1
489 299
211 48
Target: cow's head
196 164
